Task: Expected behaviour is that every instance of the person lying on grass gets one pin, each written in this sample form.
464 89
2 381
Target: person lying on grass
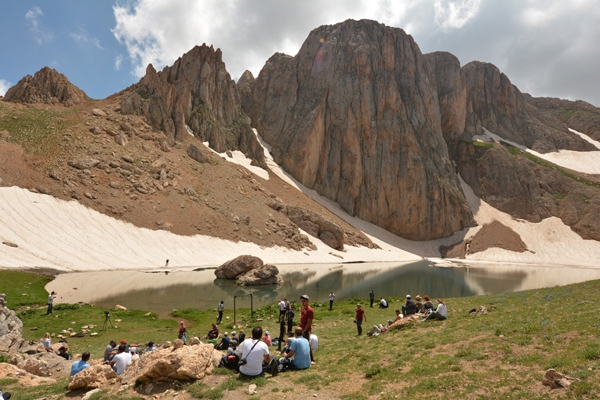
377 329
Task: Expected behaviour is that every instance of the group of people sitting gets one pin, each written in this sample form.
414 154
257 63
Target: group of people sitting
252 357
421 305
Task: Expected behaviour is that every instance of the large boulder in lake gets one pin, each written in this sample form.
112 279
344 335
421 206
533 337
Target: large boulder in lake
249 270
168 364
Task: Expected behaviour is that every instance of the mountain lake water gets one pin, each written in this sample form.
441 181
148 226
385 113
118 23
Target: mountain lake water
164 291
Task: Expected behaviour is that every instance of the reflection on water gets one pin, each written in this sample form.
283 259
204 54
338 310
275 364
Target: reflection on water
162 292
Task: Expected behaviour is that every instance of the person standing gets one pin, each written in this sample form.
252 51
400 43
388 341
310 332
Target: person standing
290 319
281 331
331 298
306 318
360 316
220 309
372 297
281 305
50 301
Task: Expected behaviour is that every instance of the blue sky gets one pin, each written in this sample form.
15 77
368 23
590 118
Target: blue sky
545 47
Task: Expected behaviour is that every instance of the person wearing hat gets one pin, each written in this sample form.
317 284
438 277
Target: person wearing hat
124 342
360 316
306 318
134 354
235 337
409 306
419 303
224 343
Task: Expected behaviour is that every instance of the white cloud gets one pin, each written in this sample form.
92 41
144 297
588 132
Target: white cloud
455 14
40 34
82 37
4 86
118 61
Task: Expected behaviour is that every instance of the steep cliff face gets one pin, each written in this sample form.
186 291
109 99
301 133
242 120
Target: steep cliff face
578 115
355 116
46 86
195 96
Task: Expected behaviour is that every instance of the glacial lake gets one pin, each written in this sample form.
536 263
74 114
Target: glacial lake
162 292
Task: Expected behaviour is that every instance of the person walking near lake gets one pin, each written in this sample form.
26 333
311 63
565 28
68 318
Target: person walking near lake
372 297
50 302
331 298
220 309
360 316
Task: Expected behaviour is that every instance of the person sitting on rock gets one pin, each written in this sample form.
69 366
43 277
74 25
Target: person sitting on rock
224 343
254 356
121 360
109 351
213 333
47 342
182 332
134 354
409 307
440 312
299 350
82 364
64 353
383 303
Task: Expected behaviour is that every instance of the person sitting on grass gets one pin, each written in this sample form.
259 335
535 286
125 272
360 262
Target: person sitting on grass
121 360
254 355
440 312
377 329
300 350
420 305
427 304
383 303
409 307
82 364
224 343
64 353
213 333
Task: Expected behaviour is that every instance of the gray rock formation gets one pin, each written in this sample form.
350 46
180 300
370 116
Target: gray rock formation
354 116
11 328
195 96
249 270
46 86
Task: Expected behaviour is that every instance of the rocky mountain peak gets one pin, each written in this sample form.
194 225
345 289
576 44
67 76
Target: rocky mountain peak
354 115
197 96
46 86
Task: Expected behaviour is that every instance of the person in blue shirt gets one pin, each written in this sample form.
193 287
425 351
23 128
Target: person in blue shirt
82 364
300 350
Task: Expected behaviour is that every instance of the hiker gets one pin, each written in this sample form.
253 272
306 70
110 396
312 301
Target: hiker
267 338
419 304
372 297
383 303
82 364
290 319
121 360
281 331
182 332
220 309
427 304
214 332
299 350
254 356
360 315
281 306
51 297
331 298
440 312
224 343
377 329
47 342
64 353
167 263
409 307
109 351
306 317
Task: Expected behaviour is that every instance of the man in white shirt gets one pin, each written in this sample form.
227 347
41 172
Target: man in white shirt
331 299
441 312
121 360
256 355
51 297
281 307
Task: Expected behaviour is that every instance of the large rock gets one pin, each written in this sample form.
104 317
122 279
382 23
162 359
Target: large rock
93 377
265 275
195 96
43 364
184 363
9 371
239 265
11 328
46 86
355 117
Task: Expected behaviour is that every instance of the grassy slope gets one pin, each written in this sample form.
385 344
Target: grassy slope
499 355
